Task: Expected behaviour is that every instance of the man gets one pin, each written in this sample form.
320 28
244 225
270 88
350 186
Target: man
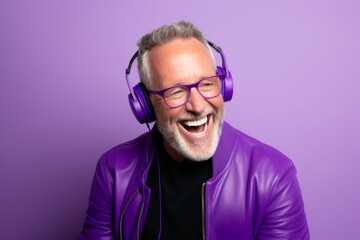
192 176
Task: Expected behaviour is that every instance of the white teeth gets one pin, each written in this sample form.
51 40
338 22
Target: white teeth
196 123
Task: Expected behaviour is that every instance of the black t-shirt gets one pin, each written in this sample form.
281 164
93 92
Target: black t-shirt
181 184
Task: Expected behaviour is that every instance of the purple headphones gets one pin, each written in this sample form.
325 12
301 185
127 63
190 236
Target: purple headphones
139 98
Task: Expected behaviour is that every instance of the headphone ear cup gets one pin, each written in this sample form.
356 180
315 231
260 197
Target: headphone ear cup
141 105
228 86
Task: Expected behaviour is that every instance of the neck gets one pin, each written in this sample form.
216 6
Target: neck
172 153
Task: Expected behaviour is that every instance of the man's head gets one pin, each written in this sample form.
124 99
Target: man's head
161 36
178 54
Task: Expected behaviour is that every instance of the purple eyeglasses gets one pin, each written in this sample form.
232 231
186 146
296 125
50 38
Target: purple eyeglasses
178 95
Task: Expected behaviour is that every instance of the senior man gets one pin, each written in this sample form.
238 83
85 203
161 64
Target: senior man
192 176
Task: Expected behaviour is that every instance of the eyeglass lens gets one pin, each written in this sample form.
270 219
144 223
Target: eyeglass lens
178 95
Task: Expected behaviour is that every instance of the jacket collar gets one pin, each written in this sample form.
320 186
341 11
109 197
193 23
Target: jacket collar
224 149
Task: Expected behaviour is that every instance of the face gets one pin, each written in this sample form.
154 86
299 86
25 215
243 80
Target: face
191 131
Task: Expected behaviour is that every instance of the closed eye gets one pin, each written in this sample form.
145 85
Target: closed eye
175 93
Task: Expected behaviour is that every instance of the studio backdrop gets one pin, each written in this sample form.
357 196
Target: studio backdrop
63 99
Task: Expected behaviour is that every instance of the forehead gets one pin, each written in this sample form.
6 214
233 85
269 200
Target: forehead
179 60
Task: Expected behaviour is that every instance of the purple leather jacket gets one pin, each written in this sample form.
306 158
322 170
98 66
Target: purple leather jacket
253 194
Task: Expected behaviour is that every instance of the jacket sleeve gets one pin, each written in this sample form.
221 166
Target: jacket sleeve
285 217
98 222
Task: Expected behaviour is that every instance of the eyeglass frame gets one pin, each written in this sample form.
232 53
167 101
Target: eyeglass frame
188 87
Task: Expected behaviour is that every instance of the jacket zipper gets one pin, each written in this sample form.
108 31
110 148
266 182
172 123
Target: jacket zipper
203 210
123 212
140 214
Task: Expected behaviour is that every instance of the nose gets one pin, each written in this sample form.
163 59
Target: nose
196 102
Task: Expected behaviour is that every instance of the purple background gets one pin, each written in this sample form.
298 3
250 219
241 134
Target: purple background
63 99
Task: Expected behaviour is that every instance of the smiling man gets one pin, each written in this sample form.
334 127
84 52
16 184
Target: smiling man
190 130
192 176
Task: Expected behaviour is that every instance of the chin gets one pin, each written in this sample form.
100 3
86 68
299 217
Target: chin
198 151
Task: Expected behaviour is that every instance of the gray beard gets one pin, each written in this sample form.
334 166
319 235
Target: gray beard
175 140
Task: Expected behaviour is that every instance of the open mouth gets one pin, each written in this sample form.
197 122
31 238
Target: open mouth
196 126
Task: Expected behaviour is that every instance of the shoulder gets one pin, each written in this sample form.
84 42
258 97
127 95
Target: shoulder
268 180
263 170
128 153
258 157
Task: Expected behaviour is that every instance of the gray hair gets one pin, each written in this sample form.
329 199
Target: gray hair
161 36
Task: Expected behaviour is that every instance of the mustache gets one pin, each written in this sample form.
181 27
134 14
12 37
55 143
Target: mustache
194 116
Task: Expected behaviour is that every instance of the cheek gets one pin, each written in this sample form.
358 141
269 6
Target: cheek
217 103
220 104
165 114
161 109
